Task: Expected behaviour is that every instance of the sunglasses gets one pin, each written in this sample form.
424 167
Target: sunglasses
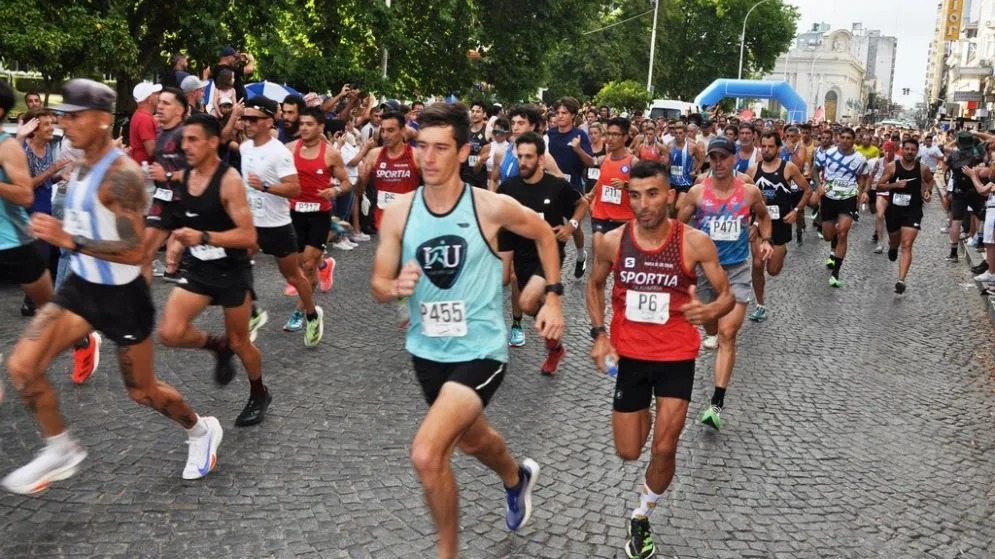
251 119
499 131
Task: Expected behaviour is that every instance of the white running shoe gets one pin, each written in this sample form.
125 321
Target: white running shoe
878 249
55 462
349 242
987 277
972 242
710 342
359 237
342 245
158 269
203 452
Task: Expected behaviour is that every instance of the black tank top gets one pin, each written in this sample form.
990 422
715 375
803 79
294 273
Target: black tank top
206 212
775 188
478 140
910 197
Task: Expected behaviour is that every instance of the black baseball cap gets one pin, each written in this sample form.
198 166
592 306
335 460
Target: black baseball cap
262 104
86 95
227 51
722 144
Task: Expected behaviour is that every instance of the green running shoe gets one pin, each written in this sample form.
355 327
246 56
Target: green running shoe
759 314
830 263
711 417
258 319
640 544
834 282
315 328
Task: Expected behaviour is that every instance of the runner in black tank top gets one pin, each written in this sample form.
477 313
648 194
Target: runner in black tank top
909 183
479 149
774 177
215 226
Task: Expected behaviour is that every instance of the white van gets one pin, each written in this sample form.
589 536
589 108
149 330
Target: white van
671 109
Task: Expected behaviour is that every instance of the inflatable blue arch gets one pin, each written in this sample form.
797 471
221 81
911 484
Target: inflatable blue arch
756 89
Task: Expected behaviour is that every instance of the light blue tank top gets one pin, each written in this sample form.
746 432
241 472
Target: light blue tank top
509 163
456 312
13 218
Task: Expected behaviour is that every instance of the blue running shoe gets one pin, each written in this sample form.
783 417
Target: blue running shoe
517 337
520 498
295 323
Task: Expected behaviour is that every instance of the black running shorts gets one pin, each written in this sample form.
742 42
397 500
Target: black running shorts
277 241
780 232
123 313
312 229
639 381
24 264
895 219
228 289
483 376
831 210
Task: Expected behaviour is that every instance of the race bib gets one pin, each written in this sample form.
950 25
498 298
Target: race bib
256 203
76 222
726 229
472 161
207 252
611 195
774 211
900 199
677 171
650 307
384 198
306 207
594 173
164 194
443 319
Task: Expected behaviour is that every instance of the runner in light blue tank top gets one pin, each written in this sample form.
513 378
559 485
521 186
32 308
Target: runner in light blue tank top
509 163
456 311
13 218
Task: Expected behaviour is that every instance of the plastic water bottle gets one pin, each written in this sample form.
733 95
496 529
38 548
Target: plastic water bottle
611 365
402 310
863 207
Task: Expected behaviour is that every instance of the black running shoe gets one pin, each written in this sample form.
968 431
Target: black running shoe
28 307
254 411
172 277
874 238
580 266
640 544
981 268
900 287
224 368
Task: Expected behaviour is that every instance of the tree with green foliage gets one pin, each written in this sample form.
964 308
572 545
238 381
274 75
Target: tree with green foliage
625 96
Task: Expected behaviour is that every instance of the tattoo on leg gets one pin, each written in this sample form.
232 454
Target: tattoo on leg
127 368
48 314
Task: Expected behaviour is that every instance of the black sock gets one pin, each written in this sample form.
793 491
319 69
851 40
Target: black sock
893 254
217 344
256 388
953 249
252 293
516 321
832 244
521 479
312 316
837 264
719 397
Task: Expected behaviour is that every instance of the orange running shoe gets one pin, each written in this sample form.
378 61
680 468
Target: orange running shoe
553 357
326 276
86 359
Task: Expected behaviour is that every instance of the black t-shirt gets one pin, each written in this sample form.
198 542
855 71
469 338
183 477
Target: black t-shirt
168 153
552 198
959 159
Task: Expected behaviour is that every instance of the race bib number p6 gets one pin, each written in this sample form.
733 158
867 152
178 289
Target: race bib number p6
384 198
442 319
649 307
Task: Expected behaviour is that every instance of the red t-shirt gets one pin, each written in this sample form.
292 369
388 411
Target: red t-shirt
141 128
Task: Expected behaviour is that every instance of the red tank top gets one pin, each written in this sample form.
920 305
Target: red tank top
610 202
648 153
650 288
392 177
314 177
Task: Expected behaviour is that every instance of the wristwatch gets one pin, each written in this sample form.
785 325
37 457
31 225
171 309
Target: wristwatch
573 223
556 288
79 243
766 240
205 238
597 331
169 176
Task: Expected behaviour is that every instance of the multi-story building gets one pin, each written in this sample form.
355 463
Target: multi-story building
877 52
824 71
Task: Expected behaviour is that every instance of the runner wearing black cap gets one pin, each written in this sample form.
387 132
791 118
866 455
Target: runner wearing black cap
103 227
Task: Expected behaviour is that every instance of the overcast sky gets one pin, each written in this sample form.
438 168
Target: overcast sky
910 21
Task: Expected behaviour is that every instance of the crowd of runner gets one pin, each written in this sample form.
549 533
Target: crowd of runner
688 217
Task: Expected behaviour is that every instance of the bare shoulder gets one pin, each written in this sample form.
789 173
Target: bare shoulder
123 185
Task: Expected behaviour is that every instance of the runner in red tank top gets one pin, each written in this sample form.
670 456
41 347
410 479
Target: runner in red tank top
392 168
653 341
317 163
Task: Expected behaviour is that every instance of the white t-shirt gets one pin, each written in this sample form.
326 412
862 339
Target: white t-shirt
349 152
930 156
495 145
271 162
367 132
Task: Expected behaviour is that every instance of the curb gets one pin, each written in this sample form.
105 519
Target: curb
973 257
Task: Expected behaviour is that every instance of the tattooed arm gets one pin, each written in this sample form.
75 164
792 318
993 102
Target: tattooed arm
123 193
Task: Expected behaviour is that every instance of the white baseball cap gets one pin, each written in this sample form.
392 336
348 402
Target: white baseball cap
144 89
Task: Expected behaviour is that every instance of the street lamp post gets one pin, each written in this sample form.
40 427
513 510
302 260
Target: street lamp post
649 76
383 59
742 36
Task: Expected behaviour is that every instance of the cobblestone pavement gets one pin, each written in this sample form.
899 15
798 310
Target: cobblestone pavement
858 424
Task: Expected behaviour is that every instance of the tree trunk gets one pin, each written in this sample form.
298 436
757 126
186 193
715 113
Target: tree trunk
125 99
47 80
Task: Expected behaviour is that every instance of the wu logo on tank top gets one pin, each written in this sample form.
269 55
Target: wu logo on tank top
442 259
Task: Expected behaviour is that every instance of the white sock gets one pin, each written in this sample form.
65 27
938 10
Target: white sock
199 429
61 441
647 502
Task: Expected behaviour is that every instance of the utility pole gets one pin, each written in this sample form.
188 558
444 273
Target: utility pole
383 59
649 76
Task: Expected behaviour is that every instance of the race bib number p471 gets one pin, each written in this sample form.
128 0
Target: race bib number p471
726 230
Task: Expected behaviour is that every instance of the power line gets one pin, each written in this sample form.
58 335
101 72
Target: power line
618 22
